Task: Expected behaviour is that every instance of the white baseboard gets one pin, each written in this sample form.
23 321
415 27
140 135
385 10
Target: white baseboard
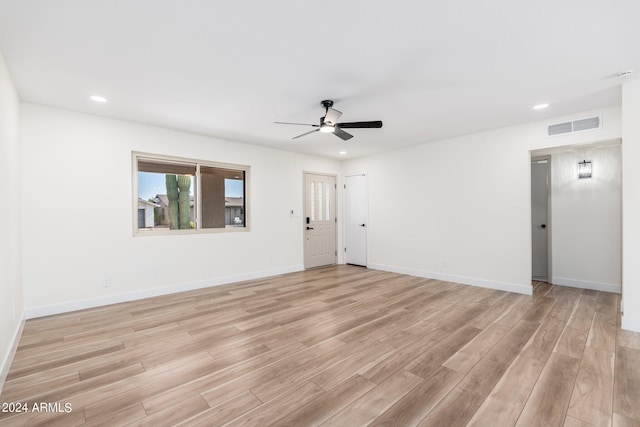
509 287
584 284
11 352
48 310
631 324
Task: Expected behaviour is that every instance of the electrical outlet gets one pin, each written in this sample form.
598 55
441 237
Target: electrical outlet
106 282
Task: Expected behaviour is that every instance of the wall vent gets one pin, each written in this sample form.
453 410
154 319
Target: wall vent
574 126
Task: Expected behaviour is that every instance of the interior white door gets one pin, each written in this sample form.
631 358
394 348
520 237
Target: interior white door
539 219
319 225
355 207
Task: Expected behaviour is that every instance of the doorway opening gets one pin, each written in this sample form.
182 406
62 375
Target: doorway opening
581 220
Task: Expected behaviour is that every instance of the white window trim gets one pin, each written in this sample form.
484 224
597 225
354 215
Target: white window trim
136 156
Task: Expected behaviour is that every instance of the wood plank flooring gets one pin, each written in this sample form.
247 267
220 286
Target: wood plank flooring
342 346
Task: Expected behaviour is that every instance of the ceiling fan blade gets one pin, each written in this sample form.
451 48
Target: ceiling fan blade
342 134
306 133
361 125
332 116
301 124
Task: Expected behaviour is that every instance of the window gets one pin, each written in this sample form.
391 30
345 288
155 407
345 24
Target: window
174 195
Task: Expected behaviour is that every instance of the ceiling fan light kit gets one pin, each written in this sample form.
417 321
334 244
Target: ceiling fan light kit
329 123
327 128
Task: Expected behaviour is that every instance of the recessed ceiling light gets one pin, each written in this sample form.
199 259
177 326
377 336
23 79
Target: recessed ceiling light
98 98
342 152
540 106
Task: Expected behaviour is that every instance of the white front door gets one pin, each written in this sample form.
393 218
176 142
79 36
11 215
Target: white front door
319 225
355 229
539 219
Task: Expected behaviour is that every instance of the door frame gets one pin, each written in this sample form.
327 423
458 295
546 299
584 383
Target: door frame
303 224
546 157
366 215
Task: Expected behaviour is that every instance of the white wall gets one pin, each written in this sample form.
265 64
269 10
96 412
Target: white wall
459 209
631 205
11 306
586 219
74 163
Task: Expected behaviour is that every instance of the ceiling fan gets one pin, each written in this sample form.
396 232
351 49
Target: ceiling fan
329 123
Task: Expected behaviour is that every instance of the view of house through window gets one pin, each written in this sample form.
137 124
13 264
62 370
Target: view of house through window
175 194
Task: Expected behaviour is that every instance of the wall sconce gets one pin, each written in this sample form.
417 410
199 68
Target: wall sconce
584 169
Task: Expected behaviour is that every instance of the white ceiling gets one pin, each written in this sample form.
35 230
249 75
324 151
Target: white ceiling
428 69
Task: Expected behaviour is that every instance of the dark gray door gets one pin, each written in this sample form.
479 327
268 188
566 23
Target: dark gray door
539 219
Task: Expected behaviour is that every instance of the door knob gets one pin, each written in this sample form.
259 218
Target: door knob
361 225
309 228
543 226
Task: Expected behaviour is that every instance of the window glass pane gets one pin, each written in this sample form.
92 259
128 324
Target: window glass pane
327 198
320 201
313 200
223 201
234 202
166 200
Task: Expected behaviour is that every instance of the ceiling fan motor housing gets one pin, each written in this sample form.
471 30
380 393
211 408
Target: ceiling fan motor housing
327 103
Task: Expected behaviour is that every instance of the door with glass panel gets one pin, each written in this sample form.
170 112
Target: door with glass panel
319 222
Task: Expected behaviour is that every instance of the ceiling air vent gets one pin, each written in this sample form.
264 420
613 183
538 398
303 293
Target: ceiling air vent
574 126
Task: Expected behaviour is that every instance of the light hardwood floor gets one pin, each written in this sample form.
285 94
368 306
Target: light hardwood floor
340 346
